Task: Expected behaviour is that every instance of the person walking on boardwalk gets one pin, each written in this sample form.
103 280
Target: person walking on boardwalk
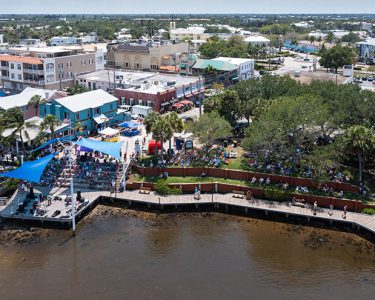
345 209
330 209
315 207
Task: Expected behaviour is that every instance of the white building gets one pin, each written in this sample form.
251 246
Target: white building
191 33
303 25
366 26
63 40
317 34
87 39
245 66
367 50
257 40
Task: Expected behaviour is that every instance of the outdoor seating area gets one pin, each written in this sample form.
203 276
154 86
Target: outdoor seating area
182 106
96 171
30 203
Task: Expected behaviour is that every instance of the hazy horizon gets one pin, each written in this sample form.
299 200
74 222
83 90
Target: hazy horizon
190 7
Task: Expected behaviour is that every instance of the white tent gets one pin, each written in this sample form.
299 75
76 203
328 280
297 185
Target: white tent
109 131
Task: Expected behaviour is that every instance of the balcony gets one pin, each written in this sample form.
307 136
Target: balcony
37 82
32 71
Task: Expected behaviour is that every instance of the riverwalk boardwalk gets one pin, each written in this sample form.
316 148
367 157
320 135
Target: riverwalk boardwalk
224 202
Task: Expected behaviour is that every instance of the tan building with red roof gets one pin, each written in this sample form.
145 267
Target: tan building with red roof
46 67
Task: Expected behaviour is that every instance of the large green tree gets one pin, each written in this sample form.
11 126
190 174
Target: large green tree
210 127
288 127
337 57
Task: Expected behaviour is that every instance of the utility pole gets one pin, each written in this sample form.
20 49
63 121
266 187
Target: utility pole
61 75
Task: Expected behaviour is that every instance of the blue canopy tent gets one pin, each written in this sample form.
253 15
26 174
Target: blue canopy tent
31 170
62 139
112 149
131 125
132 128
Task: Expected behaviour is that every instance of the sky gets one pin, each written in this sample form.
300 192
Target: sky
185 6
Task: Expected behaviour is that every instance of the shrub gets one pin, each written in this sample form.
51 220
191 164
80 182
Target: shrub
276 195
369 211
162 188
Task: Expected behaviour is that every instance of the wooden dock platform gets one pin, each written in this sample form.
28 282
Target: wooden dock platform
222 202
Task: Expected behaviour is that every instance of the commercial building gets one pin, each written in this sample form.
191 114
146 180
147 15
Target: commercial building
147 56
366 26
46 67
245 66
63 40
257 40
159 91
216 71
92 110
190 33
22 100
367 51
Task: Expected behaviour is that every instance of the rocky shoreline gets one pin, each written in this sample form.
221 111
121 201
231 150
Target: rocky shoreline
19 234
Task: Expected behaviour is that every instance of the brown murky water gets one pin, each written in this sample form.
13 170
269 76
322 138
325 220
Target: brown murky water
190 257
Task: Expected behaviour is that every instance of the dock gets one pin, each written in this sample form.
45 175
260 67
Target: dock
225 203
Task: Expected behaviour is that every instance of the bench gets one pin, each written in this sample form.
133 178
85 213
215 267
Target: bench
145 190
299 202
238 194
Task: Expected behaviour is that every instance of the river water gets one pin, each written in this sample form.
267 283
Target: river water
189 257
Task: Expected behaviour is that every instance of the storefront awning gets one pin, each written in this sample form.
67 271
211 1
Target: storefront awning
165 103
234 78
100 119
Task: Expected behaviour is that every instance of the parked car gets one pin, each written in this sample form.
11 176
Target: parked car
364 78
370 78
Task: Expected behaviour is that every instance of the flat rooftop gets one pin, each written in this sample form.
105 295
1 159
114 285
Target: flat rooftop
150 82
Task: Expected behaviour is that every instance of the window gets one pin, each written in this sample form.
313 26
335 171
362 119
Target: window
77 116
154 67
97 110
126 64
111 106
137 65
66 115
19 77
12 66
12 75
19 66
140 102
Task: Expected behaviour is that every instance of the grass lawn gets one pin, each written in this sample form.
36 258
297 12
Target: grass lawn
197 180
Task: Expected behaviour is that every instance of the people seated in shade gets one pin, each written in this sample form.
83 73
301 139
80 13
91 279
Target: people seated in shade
302 189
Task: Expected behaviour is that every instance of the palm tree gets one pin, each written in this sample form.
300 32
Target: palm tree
13 120
35 101
162 131
176 124
160 128
50 122
360 140
149 121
